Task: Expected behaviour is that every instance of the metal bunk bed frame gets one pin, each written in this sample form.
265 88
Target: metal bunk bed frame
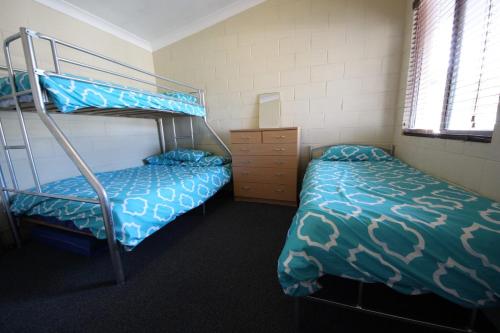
359 305
42 108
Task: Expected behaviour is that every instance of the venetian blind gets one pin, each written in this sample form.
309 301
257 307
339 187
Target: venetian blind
454 76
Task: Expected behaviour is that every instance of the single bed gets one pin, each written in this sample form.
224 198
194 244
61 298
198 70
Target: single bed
384 221
143 199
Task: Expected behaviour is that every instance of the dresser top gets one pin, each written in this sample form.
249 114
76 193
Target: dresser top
264 129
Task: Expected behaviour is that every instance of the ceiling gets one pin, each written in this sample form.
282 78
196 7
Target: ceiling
151 24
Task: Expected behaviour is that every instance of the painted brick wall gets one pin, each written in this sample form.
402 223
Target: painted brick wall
106 143
336 64
475 166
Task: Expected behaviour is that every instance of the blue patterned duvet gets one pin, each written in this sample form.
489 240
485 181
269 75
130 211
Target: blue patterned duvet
387 222
143 199
72 93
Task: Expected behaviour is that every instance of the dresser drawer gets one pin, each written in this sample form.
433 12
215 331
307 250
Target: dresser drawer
284 136
265 175
266 191
270 149
246 137
282 162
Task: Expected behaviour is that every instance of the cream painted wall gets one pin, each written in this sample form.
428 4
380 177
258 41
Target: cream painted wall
475 166
106 143
336 64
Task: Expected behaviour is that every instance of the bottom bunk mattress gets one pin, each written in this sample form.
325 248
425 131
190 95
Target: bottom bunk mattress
383 221
143 199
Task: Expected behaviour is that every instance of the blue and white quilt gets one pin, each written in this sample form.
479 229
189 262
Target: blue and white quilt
72 93
383 221
143 199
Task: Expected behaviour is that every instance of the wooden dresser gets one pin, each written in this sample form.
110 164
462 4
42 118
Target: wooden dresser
265 165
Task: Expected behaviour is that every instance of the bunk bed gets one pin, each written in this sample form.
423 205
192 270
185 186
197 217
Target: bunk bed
123 206
368 217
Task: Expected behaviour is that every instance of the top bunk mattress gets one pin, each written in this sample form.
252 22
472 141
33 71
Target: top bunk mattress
71 93
386 222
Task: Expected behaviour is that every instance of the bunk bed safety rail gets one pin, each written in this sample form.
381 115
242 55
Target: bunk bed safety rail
54 42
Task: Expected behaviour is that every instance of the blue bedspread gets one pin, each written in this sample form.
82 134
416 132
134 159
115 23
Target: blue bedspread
387 222
143 199
73 92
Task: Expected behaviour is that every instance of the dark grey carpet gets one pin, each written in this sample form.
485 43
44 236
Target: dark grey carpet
199 274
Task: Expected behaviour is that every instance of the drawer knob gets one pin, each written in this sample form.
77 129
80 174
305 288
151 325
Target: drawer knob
244 173
246 188
279 190
245 162
279 174
280 137
279 149
279 162
245 138
244 149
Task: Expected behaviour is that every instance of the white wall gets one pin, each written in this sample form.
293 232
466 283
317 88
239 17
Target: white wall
336 64
106 143
473 165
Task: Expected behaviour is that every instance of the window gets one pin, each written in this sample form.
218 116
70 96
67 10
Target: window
453 88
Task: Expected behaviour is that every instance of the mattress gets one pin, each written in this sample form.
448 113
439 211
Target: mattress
71 93
143 199
386 222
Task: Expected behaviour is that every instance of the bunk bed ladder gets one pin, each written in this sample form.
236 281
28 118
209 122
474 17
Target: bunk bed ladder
7 149
26 146
5 196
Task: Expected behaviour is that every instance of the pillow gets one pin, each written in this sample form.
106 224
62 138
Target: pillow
161 159
213 160
355 153
181 155
205 161
185 97
22 83
5 88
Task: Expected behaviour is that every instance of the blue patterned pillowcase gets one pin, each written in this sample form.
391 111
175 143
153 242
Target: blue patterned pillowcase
205 161
180 155
22 83
355 153
5 86
161 159
185 97
213 160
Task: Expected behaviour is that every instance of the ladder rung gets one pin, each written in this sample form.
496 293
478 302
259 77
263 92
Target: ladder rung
15 147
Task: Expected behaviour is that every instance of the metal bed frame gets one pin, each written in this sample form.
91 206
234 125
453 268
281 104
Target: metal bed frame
359 305
43 108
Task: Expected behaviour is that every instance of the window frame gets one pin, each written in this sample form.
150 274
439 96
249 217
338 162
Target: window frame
456 43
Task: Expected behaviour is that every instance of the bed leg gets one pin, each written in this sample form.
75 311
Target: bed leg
116 260
359 301
4 198
472 321
14 226
203 209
